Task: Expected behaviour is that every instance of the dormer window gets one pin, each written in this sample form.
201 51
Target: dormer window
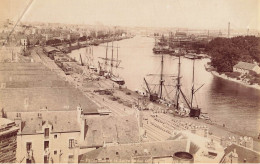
46 132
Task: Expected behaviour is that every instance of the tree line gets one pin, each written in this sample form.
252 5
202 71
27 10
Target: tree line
227 52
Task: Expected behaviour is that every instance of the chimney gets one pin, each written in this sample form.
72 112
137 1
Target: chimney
79 114
18 121
83 130
234 156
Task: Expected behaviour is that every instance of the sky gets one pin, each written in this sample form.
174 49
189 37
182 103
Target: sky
198 14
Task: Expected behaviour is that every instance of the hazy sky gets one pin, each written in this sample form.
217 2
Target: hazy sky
203 14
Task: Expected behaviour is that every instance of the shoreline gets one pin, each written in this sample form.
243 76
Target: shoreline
103 100
216 125
223 76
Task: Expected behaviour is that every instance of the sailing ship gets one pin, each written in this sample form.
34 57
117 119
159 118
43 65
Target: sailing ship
113 63
155 96
194 111
90 58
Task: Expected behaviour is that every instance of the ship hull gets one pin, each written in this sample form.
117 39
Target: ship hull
195 112
118 80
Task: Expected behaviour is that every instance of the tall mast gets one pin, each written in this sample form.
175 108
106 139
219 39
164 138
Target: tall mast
161 80
178 82
81 60
117 55
112 58
92 57
106 58
192 89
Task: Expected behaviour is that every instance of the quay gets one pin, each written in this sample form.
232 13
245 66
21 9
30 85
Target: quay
122 101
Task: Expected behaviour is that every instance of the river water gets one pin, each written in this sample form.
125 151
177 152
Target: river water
226 102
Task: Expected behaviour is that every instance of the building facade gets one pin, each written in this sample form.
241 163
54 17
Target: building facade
48 136
245 68
8 135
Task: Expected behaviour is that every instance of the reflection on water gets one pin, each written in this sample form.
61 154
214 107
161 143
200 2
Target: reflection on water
226 102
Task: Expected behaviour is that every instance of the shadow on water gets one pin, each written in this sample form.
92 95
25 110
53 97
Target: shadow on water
235 105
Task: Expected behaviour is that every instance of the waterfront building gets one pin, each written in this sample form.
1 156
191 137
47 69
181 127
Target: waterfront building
197 149
244 67
61 136
34 87
148 152
24 43
8 135
203 149
239 154
110 130
180 35
50 51
47 136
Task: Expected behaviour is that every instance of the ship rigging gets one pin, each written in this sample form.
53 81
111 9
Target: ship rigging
109 72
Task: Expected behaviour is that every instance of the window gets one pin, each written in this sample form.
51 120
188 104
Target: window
28 161
55 136
55 152
28 146
71 143
46 132
46 160
117 153
71 159
46 144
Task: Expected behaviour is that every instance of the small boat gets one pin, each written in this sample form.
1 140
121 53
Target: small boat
117 80
195 112
157 50
192 56
93 68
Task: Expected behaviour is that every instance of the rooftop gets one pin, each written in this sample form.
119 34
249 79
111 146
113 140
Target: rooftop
7 126
244 153
50 49
4 122
129 151
61 121
32 86
180 34
111 129
244 65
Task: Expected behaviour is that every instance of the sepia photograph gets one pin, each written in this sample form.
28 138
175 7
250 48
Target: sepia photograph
129 81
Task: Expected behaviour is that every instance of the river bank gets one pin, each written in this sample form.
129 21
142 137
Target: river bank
244 83
122 100
216 97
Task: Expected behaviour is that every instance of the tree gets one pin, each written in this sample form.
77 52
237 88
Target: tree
226 52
